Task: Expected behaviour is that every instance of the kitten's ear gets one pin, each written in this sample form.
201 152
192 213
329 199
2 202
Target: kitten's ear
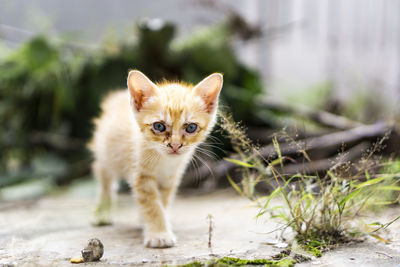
140 88
208 89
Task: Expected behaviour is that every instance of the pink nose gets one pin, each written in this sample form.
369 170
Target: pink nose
175 146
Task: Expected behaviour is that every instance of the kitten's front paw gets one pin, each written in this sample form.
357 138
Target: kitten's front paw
160 240
102 216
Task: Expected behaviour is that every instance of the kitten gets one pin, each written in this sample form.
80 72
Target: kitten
148 135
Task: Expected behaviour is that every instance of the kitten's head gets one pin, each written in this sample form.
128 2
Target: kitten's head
174 117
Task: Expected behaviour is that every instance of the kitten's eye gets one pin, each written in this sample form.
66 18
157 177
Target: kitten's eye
191 128
159 127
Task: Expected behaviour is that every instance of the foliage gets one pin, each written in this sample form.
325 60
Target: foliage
367 107
49 92
316 96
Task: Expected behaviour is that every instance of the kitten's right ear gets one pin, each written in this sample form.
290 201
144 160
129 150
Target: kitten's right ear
140 88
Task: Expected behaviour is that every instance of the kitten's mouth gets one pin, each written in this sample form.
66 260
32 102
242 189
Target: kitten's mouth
174 152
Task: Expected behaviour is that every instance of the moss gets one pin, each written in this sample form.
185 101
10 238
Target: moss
283 254
226 261
312 246
238 261
314 251
192 264
285 262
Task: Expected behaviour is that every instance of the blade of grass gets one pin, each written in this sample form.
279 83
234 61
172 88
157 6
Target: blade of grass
237 188
240 163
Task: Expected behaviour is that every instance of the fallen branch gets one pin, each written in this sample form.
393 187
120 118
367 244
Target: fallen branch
317 166
319 116
330 140
325 164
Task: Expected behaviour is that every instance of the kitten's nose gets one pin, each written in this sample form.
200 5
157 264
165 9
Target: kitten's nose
175 146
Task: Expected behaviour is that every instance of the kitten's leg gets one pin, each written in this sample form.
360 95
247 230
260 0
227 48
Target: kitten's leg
104 195
166 194
157 232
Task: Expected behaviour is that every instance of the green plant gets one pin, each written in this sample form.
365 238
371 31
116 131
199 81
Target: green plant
317 208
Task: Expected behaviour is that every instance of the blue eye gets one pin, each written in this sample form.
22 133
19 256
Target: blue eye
159 127
191 128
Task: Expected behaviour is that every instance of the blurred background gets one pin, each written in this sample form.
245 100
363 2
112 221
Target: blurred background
310 67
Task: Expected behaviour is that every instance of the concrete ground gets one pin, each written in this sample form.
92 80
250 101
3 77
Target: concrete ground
51 230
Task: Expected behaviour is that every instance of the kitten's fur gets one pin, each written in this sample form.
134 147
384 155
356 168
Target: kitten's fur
126 144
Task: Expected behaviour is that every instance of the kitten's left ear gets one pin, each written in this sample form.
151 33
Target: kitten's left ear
209 89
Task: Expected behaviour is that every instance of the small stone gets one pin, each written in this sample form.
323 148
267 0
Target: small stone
87 255
145 260
93 251
76 260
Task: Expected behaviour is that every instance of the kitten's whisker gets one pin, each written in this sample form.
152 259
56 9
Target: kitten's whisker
211 146
215 139
204 155
204 163
195 165
207 152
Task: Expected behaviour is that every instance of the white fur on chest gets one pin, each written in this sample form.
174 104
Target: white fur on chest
168 166
168 169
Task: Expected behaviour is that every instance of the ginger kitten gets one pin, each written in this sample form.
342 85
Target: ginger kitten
147 135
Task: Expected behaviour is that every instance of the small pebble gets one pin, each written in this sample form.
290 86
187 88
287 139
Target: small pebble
87 255
76 260
93 251
145 260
